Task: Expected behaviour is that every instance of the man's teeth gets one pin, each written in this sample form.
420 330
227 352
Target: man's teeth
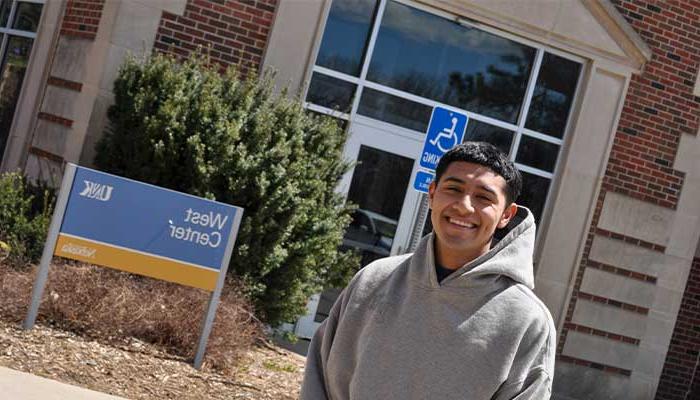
462 223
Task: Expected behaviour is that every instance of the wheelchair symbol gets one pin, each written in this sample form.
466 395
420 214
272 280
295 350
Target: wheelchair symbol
447 133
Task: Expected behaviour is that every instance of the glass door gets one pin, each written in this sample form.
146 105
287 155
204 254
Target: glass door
381 186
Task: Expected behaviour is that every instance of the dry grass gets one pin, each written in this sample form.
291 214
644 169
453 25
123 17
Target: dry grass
109 305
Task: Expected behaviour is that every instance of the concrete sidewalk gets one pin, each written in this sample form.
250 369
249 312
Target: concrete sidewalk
15 385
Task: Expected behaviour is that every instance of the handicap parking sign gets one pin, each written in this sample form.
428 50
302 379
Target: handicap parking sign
445 131
422 181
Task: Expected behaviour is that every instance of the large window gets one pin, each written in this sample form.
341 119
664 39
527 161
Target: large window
18 25
393 61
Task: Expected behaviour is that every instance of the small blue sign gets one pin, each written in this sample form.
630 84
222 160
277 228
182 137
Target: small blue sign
422 181
133 215
445 131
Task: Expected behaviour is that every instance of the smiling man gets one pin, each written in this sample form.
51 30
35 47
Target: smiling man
457 319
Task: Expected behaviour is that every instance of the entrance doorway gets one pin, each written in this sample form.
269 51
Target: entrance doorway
380 186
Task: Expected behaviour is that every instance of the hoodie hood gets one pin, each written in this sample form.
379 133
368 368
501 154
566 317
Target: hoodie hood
511 255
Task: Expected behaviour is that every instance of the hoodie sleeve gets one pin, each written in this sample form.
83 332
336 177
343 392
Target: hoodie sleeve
537 386
314 385
531 374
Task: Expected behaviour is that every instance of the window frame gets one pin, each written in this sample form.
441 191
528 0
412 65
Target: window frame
5 33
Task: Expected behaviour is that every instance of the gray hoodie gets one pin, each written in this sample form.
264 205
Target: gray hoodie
396 333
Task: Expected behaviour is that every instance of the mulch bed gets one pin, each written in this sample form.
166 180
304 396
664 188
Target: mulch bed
136 370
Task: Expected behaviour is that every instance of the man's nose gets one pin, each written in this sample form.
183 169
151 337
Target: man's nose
465 204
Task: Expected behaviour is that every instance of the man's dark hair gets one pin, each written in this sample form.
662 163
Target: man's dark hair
488 155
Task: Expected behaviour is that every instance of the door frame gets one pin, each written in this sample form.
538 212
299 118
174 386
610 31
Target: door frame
392 139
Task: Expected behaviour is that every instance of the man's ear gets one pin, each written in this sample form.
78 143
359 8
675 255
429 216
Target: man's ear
508 214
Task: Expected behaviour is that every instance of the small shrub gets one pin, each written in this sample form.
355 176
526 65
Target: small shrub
188 128
25 215
276 367
110 305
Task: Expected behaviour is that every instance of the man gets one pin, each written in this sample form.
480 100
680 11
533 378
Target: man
456 319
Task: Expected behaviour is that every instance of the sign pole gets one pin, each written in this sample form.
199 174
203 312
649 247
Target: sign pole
208 321
50 245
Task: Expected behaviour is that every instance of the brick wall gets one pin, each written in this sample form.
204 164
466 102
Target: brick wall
232 32
659 107
681 367
82 17
660 104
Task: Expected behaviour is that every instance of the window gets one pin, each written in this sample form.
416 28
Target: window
331 93
395 110
346 35
554 93
433 57
19 21
393 61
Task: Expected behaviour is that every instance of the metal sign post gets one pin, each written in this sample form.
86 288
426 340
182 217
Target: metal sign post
214 299
49 246
107 220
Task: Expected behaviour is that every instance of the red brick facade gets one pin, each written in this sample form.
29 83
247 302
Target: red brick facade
232 32
660 104
82 17
659 107
680 379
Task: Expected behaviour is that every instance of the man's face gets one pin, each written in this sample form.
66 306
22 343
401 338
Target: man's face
468 205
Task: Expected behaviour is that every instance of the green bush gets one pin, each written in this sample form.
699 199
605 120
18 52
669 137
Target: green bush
188 128
25 215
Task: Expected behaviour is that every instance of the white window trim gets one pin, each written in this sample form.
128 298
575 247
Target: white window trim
326 110
532 82
15 32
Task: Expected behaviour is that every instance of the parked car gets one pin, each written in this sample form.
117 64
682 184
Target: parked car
371 233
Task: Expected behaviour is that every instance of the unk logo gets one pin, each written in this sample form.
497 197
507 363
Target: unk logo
97 191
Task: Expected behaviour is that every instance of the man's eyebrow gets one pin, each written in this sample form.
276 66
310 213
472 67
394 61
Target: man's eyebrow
483 187
488 189
454 179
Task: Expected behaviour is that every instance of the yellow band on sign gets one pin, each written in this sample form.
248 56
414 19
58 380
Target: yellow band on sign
138 263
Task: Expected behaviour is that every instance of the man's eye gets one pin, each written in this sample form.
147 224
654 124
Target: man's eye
483 197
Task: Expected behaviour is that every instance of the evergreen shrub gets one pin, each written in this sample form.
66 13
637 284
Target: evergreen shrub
25 215
184 126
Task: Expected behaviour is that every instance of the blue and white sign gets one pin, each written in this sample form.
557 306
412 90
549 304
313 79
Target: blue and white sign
422 181
144 229
146 218
445 131
120 223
